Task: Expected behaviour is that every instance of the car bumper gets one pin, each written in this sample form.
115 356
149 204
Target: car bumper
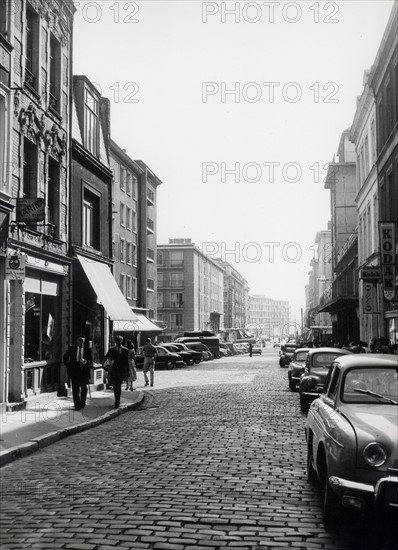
354 494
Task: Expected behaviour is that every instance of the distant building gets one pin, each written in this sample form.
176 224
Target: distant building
190 289
268 317
236 296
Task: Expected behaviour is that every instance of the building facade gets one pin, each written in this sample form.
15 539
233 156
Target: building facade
363 135
236 295
190 289
268 318
383 81
36 49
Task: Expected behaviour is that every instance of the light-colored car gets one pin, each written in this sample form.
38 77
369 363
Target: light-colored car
352 436
256 349
297 367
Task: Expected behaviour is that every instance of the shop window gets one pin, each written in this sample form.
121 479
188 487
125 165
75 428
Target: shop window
32 47
91 220
29 170
53 195
91 126
42 327
55 74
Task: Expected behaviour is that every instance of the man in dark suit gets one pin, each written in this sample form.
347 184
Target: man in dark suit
78 360
119 355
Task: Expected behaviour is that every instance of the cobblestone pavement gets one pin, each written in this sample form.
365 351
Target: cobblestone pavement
216 465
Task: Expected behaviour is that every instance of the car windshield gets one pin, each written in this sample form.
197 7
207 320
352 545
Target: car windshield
302 356
371 385
323 360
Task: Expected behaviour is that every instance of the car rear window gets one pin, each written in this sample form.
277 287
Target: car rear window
324 360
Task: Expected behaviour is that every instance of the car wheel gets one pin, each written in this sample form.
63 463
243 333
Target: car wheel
292 385
170 365
190 363
197 361
304 405
311 472
281 363
331 505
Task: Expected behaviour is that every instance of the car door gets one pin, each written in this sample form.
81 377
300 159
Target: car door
162 357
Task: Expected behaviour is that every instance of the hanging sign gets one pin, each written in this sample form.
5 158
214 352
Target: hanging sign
15 266
369 298
387 258
30 210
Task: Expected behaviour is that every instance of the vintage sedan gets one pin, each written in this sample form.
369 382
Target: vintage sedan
316 370
352 436
297 367
286 353
196 355
164 359
185 355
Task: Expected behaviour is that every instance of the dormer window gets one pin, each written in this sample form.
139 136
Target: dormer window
91 126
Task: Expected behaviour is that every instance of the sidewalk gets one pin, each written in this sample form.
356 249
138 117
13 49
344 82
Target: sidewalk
48 419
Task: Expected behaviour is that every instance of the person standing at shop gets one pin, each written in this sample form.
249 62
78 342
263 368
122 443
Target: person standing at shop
78 361
119 355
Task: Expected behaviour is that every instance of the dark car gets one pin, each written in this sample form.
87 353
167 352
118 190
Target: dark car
196 355
297 367
186 356
286 353
164 359
318 363
198 346
225 350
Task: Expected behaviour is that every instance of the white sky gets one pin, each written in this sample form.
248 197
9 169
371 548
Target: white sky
153 72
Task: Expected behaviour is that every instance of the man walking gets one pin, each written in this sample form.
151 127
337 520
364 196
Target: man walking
78 361
150 352
119 355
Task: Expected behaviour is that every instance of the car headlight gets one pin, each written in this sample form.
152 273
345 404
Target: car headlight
374 454
311 382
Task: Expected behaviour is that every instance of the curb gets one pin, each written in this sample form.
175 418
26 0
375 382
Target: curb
42 441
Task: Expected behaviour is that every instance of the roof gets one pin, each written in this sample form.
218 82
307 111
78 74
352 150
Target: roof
377 360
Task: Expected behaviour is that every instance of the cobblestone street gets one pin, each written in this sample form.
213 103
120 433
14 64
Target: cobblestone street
217 461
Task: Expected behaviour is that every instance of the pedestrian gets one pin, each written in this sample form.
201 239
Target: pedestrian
250 349
119 355
132 366
150 352
78 360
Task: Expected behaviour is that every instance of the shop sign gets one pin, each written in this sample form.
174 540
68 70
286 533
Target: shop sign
387 257
15 266
371 274
30 210
369 298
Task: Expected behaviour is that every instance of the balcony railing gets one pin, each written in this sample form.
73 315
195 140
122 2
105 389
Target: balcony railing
171 305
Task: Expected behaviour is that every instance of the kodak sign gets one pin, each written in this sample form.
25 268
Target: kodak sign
387 258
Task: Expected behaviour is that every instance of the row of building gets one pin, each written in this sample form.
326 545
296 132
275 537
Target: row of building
353 278
78 245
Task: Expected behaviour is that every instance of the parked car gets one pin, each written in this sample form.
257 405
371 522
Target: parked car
286 353
212 343
164 359
352 436
196 355
198 346
256 349
297 367
224 350
185 355
242 346
317 365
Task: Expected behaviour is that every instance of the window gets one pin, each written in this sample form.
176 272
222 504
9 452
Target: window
150 284
122 245
373 141
134 288
134 187
91 127
55 74
160 258
129 181
176 258
151 314
160 279
134 221
122 178
176 279
128 253
177 320
29 170
91 220
159 299
128 289
176 299
128 218
42 328
32 47
134 254
121 283
4 12
122 214
53 194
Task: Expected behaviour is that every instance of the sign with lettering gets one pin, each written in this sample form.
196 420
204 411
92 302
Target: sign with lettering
387 258
31 210
369 298
371 274
15 266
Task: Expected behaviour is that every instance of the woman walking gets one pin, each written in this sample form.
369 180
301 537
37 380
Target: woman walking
132 366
